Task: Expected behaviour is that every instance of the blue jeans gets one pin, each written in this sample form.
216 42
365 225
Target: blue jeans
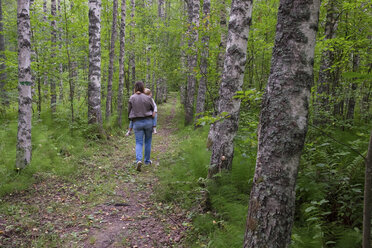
143 129
155 120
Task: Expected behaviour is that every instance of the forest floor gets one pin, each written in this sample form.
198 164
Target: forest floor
106 204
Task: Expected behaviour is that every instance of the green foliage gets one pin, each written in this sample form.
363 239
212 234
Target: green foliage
56 148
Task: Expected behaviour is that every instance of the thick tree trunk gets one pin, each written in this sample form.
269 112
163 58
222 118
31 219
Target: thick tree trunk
193 7
3 76
23 154
200 101
53 91
367 210
232 80
94 84
121 63
111 62
283 126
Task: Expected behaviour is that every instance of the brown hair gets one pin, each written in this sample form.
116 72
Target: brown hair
147 91
139 86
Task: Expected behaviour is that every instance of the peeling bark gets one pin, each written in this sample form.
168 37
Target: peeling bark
94 84
222 133
283 126
24 149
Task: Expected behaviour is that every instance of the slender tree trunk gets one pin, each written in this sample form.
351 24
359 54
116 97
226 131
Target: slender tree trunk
200 101
325 75
3 76
23 154
111 63
351 100
46 67
53 92
94 84
132 58
232 81
222 45
121 63
193 7
71 65
283 126
61 95
367 209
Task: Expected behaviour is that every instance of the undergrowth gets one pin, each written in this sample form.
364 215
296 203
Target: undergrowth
329 191
57 146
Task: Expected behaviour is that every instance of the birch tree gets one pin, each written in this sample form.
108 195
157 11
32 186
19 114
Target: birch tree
94 84
200 101
223 132
23 153
193 7
53 92
111 62
283 126
121 62
132 58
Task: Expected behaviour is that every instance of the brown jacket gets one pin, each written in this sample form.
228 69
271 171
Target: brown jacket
140 106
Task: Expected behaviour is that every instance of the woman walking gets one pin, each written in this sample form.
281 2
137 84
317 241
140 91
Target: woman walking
140 111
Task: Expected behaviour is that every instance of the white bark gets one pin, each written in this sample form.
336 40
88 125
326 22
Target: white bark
193 7
223 132
94 84
23 154
283 126
121 62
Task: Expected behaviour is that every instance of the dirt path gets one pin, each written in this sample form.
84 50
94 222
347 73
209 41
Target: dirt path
108 205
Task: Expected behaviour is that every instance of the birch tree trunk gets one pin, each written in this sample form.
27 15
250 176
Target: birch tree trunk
3 76
94 84
132 58
193 7
200 101
121 62
61 95
46 68
23 154
224 131
325 75
111 62
283 126
367 208
53 91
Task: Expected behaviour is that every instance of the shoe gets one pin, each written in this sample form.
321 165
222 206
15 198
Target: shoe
128 133
139 164
154 130
149 162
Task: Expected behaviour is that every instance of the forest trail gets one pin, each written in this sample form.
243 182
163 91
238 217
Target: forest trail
109 204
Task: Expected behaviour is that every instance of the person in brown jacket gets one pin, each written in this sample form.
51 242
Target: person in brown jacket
140 112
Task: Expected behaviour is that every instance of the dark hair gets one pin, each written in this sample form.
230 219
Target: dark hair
139 86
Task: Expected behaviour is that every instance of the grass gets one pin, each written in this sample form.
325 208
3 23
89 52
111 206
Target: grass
57 147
